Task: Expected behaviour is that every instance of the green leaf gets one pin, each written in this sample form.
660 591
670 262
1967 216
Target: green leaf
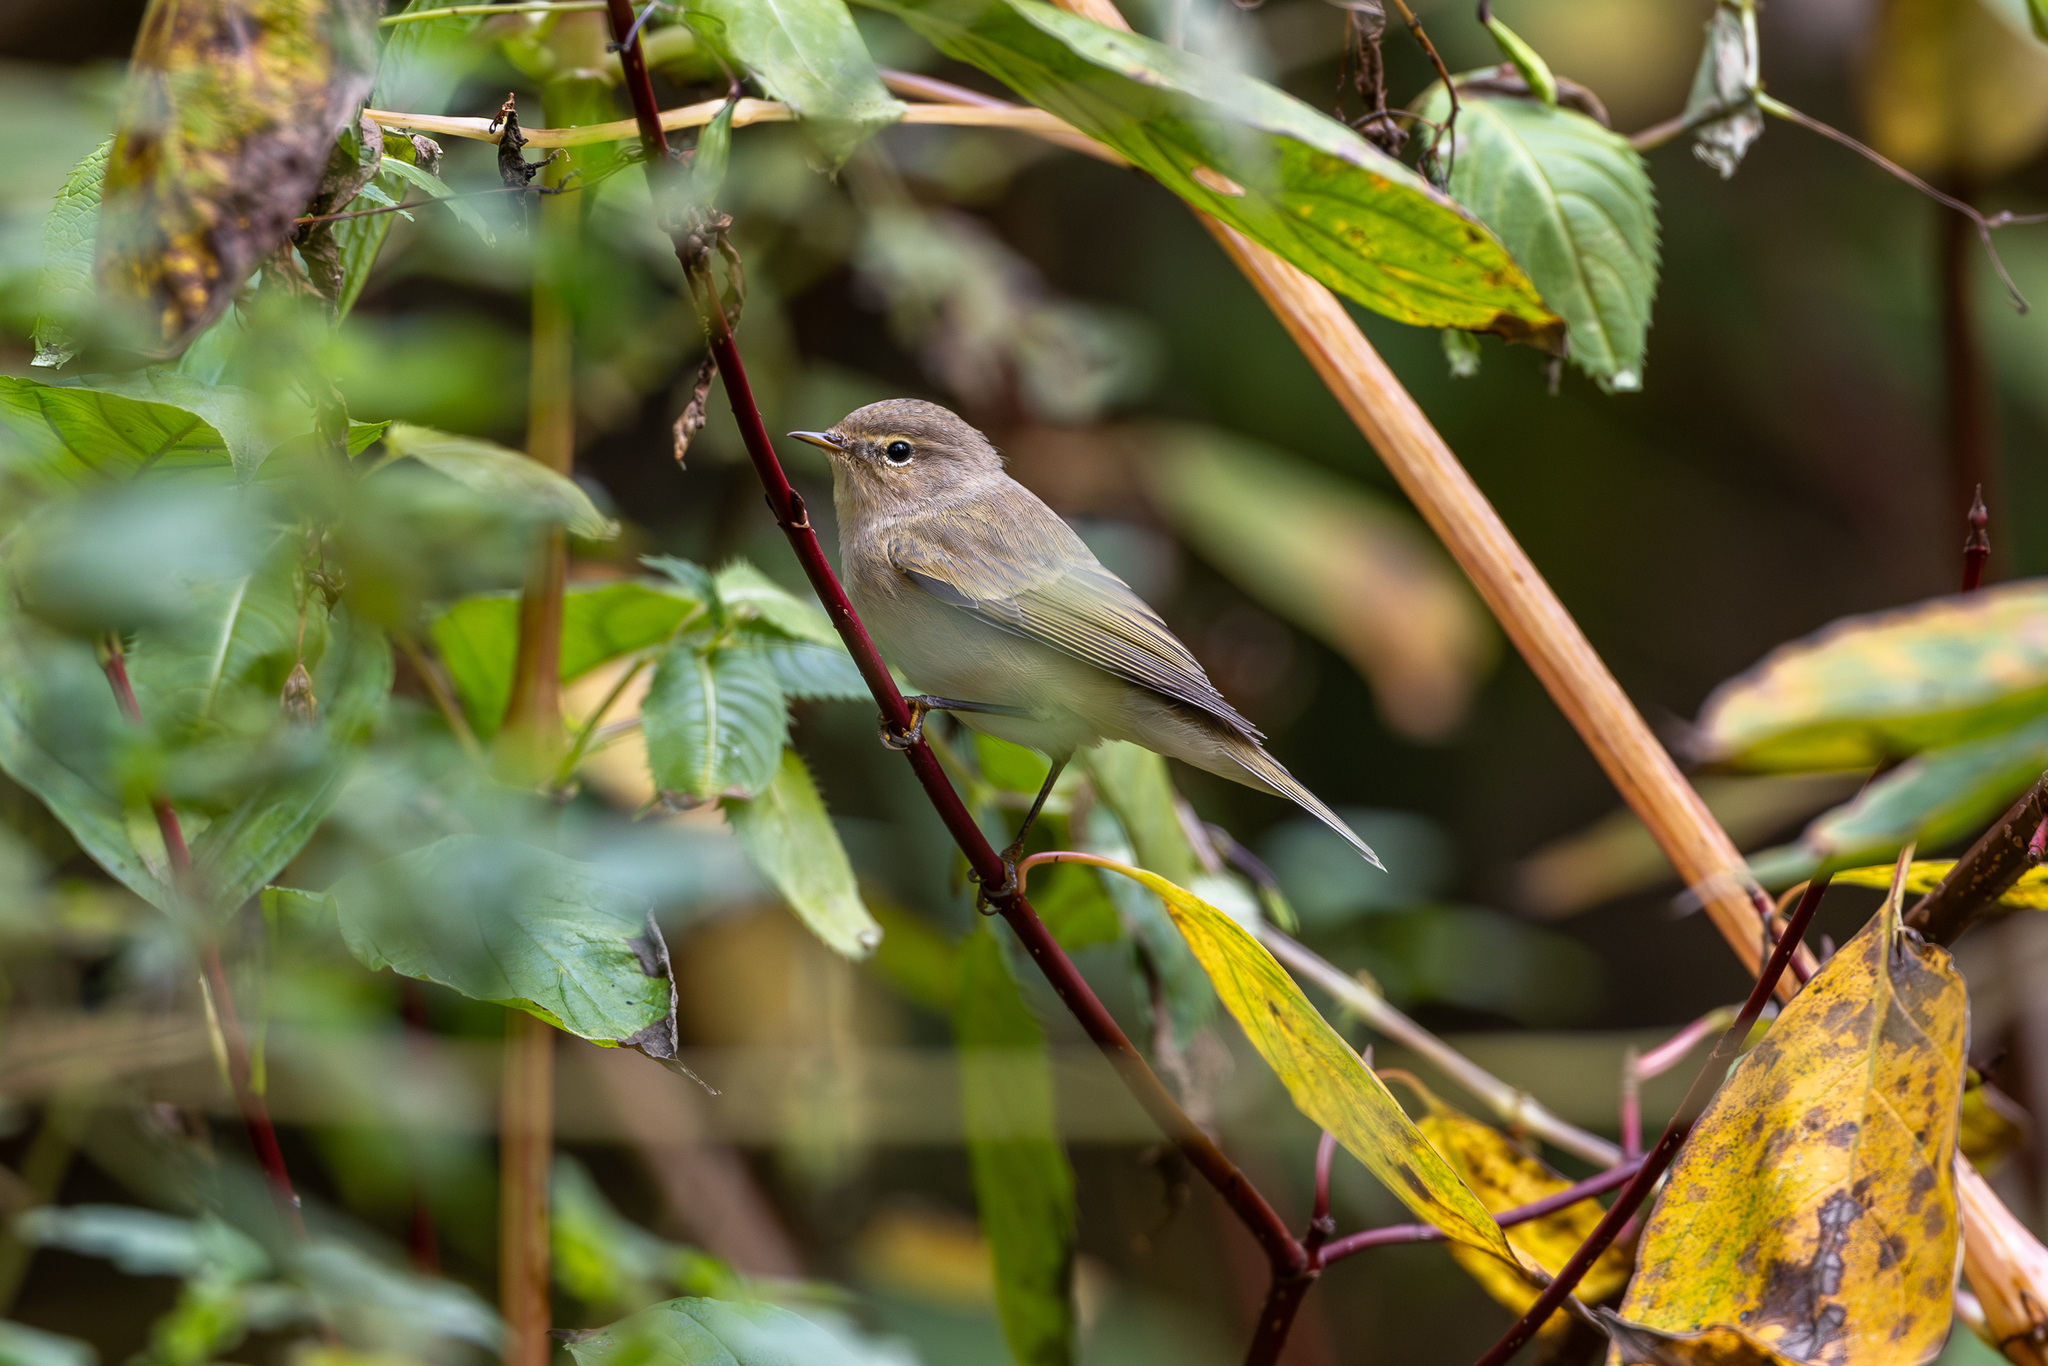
714 719
1939 796
1133 782
1327 1080
808 671
748 595
1573 202
478 637
145 1243
1023 1186
64 286
713 153
504 922
613 1264
62 435
789 837
21 1345
809 55
492 469
1076 908
1727 78
249 786
1189 999
1261 161
463 209
377 1307
1535 72
1865 689
701 1332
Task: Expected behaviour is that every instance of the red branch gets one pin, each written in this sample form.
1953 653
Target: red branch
255 1115
1660 1158
1289 1261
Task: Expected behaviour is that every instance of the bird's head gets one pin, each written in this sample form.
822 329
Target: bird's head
904 453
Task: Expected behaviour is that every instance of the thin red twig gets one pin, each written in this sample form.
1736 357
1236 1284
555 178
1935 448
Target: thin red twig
1660 1158
1598 1184
1282 1250
255 1114
1977 546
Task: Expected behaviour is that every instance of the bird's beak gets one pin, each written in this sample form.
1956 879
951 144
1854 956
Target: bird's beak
822 440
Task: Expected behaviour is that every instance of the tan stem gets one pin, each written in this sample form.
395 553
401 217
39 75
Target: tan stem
526 1148
2007 1268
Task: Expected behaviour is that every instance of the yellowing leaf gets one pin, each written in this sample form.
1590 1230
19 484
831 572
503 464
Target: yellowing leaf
230 111
1813 1210
1327 1080
1889 684
1955 86
2030 893
1504 1176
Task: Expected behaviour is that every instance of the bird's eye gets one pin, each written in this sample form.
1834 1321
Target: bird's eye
897 452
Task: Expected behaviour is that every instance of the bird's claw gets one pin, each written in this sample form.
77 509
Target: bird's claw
984 900
901 740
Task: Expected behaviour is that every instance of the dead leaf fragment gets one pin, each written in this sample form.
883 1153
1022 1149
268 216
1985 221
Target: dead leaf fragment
1814 1207
231 109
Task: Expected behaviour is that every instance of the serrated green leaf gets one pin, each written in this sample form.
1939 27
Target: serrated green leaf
1261 161
1573 202
788 835
715 718
1329 1083
504 922
64 285
701 1332
808 671
1023 1185
478 637
809 55
1884 685
749 595
492 469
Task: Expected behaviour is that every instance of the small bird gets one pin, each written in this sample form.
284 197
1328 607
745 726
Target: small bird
977 590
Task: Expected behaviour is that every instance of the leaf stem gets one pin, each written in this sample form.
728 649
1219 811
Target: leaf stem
456 11
437 688
526 1150
1704 1084
255 1114
1275 1239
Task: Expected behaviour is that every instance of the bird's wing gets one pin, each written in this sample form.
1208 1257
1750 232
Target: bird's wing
1063 598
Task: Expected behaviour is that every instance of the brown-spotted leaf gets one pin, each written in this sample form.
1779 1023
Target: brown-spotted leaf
1814 1207
1718 1346
1505 1176
231 109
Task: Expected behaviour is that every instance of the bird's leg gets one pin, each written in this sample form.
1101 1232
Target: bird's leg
1016 849
922 704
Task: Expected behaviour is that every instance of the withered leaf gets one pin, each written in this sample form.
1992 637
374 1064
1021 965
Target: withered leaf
1813 1212
1506 1176
231 109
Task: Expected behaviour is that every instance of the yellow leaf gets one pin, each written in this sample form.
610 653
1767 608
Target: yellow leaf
1955 86
1813 1210
1870 688
2030 893
1505 1176
1327 1080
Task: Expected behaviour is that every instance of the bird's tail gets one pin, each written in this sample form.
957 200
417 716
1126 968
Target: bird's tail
1265 771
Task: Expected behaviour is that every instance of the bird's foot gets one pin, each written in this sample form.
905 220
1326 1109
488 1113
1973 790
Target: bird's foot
988 895
900 740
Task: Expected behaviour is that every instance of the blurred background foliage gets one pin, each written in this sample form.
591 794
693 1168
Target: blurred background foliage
1788 462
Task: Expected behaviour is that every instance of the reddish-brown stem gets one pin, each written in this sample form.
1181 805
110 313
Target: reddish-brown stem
1631 1104
1598 1184
1282 1250
1977 545
1320 1225
1708 1080
255 1115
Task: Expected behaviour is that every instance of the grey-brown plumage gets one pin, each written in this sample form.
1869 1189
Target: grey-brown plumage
978 592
